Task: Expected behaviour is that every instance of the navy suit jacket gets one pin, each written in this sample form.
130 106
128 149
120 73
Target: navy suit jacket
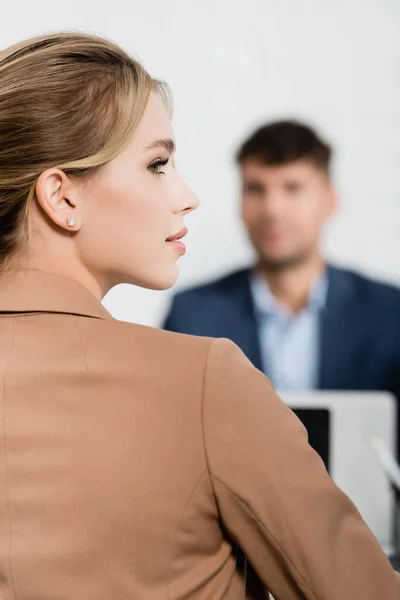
359 333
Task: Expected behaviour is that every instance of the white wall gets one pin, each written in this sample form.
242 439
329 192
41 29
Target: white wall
232 65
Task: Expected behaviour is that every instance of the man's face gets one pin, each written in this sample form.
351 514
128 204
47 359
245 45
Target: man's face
284 208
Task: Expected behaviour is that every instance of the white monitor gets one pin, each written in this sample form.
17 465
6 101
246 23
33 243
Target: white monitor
353 421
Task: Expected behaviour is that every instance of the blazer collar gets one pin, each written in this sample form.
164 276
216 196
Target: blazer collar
31 290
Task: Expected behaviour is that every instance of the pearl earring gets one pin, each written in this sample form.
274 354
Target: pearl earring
71 222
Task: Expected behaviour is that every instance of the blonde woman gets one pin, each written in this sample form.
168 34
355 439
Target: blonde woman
136 464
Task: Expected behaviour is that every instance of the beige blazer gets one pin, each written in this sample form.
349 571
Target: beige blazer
137 464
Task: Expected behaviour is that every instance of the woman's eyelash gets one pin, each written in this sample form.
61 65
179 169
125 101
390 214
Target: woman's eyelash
157 164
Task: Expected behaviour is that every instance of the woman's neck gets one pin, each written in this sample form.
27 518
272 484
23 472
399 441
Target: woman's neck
71 268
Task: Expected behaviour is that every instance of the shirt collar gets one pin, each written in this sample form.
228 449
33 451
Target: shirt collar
266 304
32 290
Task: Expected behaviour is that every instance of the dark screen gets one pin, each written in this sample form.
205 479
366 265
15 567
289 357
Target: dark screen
317 423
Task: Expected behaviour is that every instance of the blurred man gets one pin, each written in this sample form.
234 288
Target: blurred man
306 324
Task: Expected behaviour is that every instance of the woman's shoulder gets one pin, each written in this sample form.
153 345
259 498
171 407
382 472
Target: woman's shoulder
126 342
168 353
158 341
159 338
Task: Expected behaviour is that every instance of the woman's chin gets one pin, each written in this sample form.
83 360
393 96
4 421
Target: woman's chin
159 279
166 283
164 280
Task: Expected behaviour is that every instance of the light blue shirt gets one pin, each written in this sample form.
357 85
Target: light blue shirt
289 343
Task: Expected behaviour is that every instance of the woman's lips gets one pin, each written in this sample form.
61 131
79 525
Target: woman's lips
174 241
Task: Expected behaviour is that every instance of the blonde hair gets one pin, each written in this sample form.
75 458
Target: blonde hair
67 100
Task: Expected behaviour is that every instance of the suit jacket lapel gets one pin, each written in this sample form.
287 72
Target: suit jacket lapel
338 344
244 326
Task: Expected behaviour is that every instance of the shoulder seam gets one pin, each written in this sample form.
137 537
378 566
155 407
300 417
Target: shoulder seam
80 343
207 462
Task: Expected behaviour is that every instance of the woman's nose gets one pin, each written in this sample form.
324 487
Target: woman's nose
188 200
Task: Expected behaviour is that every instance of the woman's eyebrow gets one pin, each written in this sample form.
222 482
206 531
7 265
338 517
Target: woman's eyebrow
166 143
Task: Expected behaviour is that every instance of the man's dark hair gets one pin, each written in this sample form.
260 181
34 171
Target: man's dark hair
284 142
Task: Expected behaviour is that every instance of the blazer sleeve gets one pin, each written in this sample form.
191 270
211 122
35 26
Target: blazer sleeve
303 536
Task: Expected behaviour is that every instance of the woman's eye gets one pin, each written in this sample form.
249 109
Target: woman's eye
155 166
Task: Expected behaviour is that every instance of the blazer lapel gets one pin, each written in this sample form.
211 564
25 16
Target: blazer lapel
338 342
243 325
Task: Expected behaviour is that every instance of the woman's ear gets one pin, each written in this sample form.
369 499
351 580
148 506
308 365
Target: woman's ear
59 199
